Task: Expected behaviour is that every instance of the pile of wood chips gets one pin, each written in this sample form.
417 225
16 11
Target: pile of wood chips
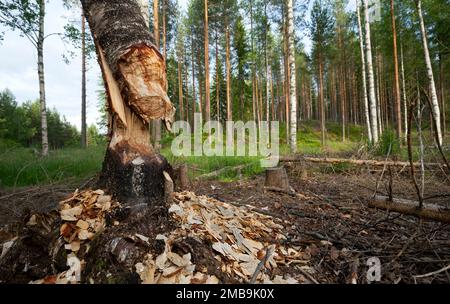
247 244
236 235
82 217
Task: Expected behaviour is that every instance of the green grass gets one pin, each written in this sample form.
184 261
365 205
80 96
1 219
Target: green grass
24 167
21 167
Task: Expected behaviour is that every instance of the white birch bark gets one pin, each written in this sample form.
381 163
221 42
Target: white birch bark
292 88
405 106
434 100
41 74
372 97
364 76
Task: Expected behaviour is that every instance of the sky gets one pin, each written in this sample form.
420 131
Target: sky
18 68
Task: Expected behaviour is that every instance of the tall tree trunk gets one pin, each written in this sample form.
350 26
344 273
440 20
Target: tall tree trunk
200 88
372 97
442 94
322 101
266 62
217 78
186 71
434 100
272 110
405 106
228 65
253 62
286 74
364 77
180 88
194 95
83 83
156 22
398 110
41 74
135 79
164 31
292 93
207 85
342 84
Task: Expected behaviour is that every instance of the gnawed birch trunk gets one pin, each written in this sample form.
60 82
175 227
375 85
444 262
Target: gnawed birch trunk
135 79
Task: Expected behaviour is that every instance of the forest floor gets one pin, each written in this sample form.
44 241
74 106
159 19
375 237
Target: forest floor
328 231
327 219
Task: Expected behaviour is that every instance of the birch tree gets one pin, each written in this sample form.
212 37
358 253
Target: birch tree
364 76
398 110
293 82
434 100
372 96
135 79
27 17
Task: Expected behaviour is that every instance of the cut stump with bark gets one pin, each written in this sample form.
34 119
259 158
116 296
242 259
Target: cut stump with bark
277 178
182 179
135 79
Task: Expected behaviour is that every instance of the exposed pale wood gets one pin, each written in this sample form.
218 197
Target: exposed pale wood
429 211
168 188
115 99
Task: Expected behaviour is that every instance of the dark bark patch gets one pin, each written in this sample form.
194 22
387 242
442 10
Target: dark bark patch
131 183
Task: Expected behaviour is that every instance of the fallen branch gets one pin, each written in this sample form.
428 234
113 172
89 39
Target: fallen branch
262 263
360 162
428 211
433 273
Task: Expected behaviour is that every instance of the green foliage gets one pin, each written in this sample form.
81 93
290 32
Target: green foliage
21 124
321 27
22 16
94 138
388 144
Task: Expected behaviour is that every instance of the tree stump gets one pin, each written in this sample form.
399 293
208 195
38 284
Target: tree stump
276 178
182 179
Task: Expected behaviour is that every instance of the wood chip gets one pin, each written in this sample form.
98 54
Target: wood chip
70 215
83 224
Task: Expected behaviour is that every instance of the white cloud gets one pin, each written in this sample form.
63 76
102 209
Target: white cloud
18 70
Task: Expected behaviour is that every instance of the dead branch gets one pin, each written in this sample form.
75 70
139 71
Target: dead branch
359 162
428 211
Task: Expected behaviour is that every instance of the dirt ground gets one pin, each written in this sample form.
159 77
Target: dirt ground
328 217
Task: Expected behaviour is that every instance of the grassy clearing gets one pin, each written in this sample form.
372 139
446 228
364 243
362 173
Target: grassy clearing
24 167
21 167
